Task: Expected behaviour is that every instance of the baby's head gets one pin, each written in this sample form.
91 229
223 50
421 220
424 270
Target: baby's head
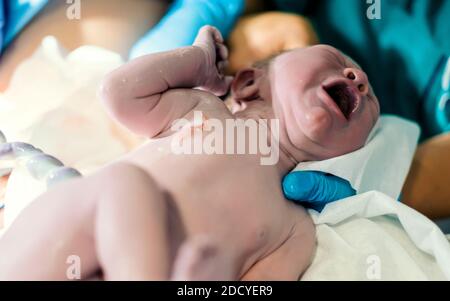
323 100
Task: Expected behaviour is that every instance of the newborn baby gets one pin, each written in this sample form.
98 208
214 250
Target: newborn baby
157 215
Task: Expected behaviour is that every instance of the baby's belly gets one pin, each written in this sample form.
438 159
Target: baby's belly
220 195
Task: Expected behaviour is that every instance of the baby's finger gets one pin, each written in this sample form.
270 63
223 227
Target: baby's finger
228 81
217 35
222 67
210 32
223 86
222 51
204 36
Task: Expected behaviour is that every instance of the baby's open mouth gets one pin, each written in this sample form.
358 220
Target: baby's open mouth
344 97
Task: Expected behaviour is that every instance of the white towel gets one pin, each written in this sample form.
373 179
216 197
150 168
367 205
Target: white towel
373 237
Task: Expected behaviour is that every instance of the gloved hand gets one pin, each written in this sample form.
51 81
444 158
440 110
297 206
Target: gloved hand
2 24
14 15
315 189
180 25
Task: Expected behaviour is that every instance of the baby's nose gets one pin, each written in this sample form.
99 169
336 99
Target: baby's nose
359 79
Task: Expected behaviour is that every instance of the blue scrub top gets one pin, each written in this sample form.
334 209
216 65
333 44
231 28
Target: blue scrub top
405 52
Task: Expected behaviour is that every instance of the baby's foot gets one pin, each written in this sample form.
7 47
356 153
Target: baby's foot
200 260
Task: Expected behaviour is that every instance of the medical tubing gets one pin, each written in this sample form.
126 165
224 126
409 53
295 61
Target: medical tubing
41 166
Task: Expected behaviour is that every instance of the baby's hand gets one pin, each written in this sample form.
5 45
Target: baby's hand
210 40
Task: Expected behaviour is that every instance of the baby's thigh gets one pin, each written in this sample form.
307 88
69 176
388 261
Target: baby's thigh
123 176
78 200
64 222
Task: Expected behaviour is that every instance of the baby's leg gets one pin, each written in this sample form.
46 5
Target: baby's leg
114 221
132 223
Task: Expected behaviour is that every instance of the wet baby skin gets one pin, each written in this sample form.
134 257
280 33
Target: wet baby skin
157 215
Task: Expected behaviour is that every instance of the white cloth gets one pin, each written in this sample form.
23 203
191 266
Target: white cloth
372 237
49 112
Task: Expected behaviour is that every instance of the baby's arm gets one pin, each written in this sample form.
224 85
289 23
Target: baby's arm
135 93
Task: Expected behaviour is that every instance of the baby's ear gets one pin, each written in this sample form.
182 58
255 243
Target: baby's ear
246 85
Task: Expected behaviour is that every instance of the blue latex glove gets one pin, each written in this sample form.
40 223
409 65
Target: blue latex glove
180 25
315 189
16 14
2 24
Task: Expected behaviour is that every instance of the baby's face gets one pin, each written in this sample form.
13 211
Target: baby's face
323 100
